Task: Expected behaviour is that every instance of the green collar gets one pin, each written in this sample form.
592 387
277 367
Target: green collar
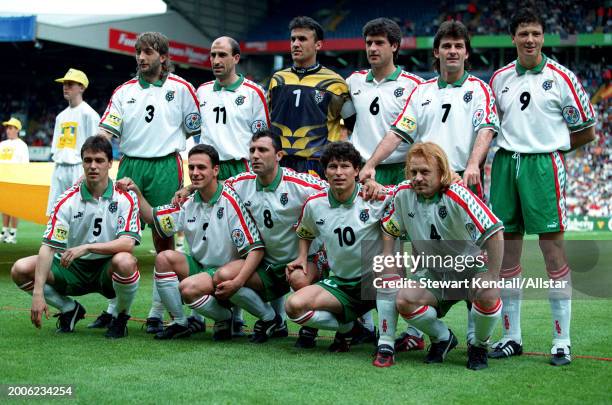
335 203
433 200
272 186
521 70
145 84
392 77
198 197
86 195
442 84
231 87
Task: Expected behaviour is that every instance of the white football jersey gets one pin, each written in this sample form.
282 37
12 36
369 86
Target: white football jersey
377 105
72 127
231 115
14 151
153 120
217 231
78 218
448 114
276 208
350 231
540 107
455 214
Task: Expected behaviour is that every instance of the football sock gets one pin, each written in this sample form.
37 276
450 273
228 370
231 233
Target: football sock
561 305
511 310
485 321
278 305
60 302
157 308
125 288
426 319
251 301
387 312
319 320
469 336
208 305
112 306
368 321
167 287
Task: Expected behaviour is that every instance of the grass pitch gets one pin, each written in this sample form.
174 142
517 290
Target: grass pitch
140 369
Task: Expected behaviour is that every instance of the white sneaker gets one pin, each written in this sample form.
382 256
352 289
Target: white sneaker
10 239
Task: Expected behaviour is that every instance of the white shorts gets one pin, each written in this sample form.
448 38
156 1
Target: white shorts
64 177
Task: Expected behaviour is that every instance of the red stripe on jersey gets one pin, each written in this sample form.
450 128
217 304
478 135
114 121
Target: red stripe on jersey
179 164
464 205
262 98
240 217
174 208
417 81
296 180
190 88
312 197
557 190
571 86
403 187
435 79
56 210
487 98
495 75
405 105
129 218
243 177
111 99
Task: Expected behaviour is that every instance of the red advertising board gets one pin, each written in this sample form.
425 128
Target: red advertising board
123 41
336 44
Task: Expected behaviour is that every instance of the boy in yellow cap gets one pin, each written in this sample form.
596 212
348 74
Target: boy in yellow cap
72 127
12 150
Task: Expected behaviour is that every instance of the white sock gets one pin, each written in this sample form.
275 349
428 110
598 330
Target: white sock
208 305
278 305
251 301
387 313
426 319
511 311
469 336
157 308
167 288
319 320
411 330
112 306
125 288
237 314
485 321
560 300
368 320
53 298
199 317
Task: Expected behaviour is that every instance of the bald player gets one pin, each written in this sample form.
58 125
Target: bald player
233 109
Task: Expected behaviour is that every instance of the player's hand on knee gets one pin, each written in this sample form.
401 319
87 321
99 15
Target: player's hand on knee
226 289
39 307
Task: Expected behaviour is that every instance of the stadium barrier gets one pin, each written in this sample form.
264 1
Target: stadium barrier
589 224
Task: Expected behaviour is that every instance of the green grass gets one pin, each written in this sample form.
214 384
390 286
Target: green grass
140 369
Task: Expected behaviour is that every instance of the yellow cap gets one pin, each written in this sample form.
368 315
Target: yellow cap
14 122
75 76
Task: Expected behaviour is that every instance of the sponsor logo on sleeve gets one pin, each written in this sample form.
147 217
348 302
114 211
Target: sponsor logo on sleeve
114 120
238 237
570 114
167 224
407 124
257 126
477 117
60 233
192 121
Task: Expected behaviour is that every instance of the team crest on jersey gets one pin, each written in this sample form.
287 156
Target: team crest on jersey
240 100
284 199
60 233
238 237
471 229
477 117
570 114
120 223
112 207
547 85
318 96
442 212
398 92
364 215
257 126
467 97
192 121
170 95
220 213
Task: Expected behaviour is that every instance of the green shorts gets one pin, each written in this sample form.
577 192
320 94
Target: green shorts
447 297
528 191
274 281
231 168
390 174
196 268
348 293
83 277
157 178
